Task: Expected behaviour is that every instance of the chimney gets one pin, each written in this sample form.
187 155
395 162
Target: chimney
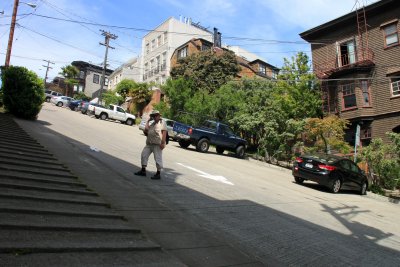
217 38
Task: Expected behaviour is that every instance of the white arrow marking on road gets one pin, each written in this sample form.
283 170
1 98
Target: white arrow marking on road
217 178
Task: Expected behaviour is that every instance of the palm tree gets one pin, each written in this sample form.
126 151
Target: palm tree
70 74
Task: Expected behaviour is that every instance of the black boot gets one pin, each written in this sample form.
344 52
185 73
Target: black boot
156 176
142 172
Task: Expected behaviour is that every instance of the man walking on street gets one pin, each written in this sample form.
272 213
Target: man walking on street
156 132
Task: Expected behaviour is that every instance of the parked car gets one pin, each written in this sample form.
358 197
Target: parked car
331 171
90 108
170 126
74 105
114 112
61 101
49 94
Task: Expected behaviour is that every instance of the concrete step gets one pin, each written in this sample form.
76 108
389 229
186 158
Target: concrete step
23 146
68 241
30 155
28 220
94 201
22 143
41 182
42 176
38 204
25 150
30 158
34 170
47 188
157 258
32 164
50 194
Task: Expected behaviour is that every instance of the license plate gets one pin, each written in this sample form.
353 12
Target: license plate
309 165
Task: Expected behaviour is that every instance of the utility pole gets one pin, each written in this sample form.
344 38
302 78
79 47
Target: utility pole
108 36
11 36
47 70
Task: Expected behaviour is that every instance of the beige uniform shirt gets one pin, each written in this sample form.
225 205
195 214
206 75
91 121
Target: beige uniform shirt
154 135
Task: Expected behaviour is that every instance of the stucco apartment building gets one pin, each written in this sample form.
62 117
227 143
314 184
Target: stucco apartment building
357 58
159 45
249 69
129 70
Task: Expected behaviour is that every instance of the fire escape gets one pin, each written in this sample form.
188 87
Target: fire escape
351 56
348 55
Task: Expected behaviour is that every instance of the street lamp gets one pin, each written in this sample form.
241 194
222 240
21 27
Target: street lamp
12 27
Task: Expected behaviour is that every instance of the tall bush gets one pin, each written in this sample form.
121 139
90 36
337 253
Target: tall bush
23 93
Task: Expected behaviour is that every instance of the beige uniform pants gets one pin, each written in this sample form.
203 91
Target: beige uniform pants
157 152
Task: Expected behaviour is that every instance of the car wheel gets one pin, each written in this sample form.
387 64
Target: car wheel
129 122
220 150
364 187
83 111
336 185
184 144
203 145
59 104
240 152
298 180
48 99
103 116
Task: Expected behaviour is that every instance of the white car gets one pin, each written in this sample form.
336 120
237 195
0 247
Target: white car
61 101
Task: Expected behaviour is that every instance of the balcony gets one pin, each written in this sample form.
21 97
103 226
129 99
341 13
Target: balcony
344 61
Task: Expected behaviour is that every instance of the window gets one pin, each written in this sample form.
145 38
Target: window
366 133
395 85
82 74
205 47
349 96
182 52
365 93
165 37
164 61
96 78
159 41
262 69
390 33
346 53
153 44
147 48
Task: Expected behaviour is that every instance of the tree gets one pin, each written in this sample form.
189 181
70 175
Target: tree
125 87
22 90
70 74
139 93
329 131
384 161
208 70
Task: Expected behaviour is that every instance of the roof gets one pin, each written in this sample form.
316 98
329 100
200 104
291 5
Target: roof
346 19
86 65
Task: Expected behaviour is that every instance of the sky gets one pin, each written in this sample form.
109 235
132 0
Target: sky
62 31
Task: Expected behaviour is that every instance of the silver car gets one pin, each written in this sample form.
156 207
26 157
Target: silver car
168 122
61 101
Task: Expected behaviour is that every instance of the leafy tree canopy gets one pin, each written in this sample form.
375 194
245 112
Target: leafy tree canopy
208 70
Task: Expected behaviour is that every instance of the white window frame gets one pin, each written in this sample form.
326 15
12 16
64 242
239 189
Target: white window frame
395 86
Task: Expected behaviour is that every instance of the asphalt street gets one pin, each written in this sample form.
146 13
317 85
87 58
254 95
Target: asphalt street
245 206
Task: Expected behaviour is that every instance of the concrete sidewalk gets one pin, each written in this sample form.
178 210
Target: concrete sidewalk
51 216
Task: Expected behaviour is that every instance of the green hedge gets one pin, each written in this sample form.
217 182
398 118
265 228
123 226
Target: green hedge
23 93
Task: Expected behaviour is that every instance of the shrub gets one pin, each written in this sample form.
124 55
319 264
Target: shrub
81 95
23 93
